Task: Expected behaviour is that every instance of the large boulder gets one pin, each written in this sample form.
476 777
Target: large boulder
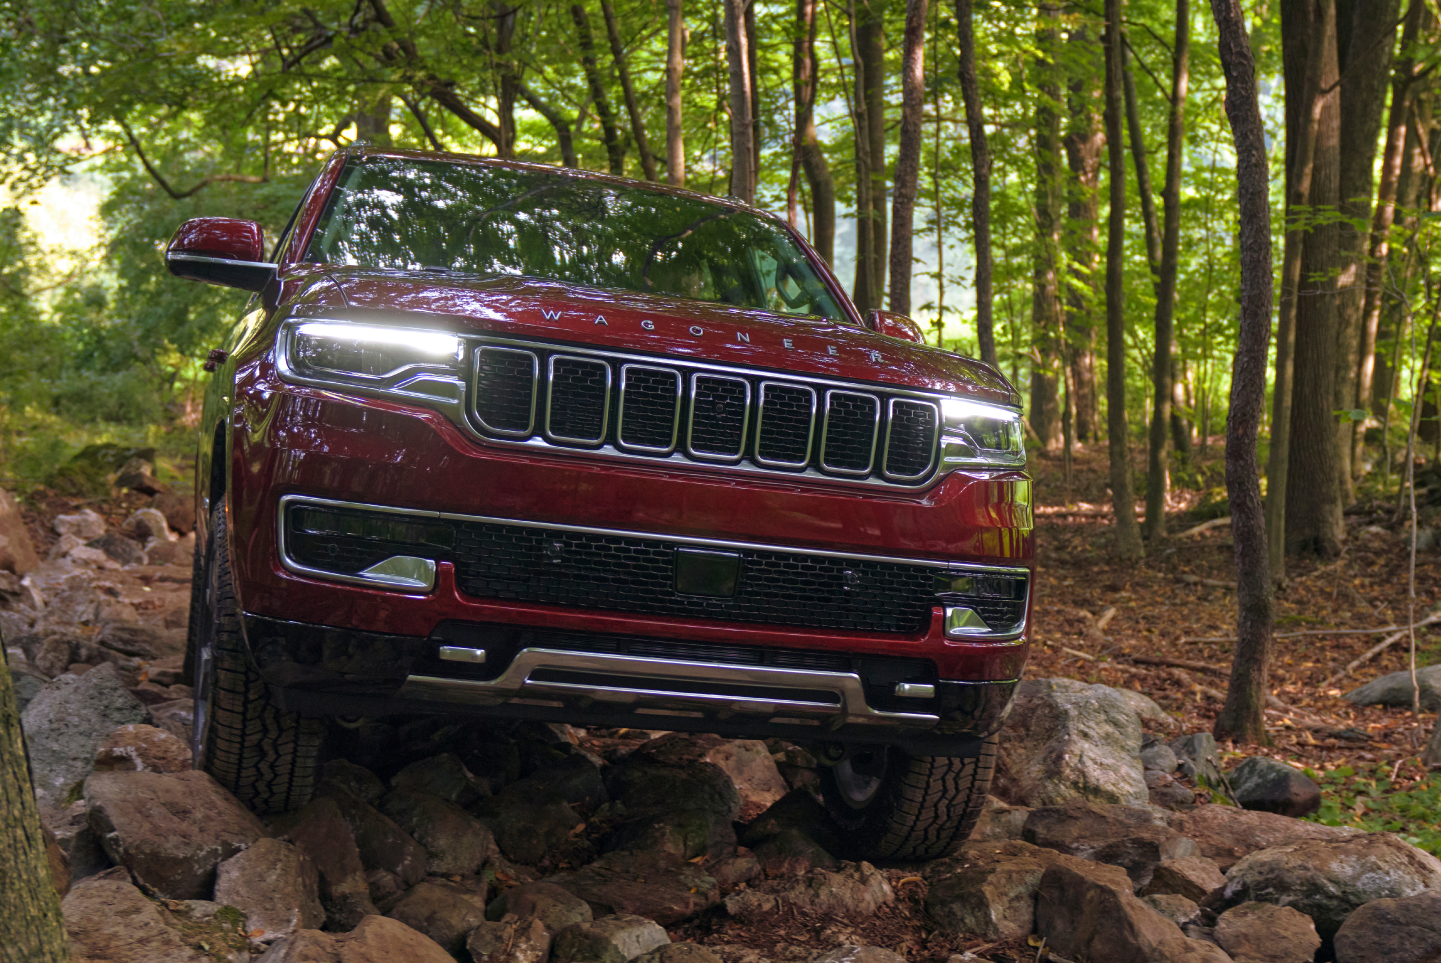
1395 690
1116 835
456 843
1406 930
108 920
1328 879
17 551
857 889
376 940
322 834
170 830
609 939
443 910
274 884
658 886
1068 740
68 722
1266 933
1269 786
1225 834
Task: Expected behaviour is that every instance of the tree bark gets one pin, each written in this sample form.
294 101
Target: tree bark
742 131
613 149
632 106
981 178
1313 484
1128 534
674 105
808 154
870 61
908 159
31 929
1162 364
1242 718
1046 257
1084 142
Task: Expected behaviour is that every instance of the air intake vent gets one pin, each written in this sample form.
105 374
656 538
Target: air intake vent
579 398
783 434
720 409
649 408
910 439
505 391
848 446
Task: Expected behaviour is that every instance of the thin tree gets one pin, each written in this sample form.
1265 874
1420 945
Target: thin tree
613 149
808 156
674 105
31 929
1158 471
632 106
980 177
1242 718
1128 533
908 159
742 131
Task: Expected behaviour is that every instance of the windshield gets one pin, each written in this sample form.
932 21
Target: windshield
409 214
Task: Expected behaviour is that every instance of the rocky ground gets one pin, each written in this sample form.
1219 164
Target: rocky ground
433 840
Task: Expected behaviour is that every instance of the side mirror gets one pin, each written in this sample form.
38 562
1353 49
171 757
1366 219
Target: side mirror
220 250
894 325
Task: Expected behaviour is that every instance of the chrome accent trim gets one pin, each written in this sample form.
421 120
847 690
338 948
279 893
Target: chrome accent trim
915 690
826 433
717 457
850 707
620 441
565 440
456 653
890 424
761 421
534 385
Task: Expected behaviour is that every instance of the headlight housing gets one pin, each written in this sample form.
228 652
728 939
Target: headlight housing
978 435
413 363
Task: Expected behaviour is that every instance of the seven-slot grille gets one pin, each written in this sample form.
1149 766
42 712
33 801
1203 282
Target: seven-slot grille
575 399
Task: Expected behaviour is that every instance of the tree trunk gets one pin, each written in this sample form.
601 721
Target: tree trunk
1050 189
564 140
31 929
908 160
743 172
1084 142
870 61
809 156
674 105
632 106
613 149
1242 718
1366 39
981 178
1313 484
1162 364
1128 534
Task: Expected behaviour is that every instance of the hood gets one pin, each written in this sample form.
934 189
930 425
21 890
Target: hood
649 324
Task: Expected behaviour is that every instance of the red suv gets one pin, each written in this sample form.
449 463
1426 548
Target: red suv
504 439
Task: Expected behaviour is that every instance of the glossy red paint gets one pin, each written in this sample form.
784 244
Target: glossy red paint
222 237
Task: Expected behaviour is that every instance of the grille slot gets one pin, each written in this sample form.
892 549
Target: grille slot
505 395
578 402
783 431
910 439
848 445
649 409
719 415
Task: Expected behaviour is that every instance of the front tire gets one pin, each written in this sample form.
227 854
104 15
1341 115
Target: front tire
894 805
267 756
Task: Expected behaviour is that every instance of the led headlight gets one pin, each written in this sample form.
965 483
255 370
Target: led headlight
975 434
379 358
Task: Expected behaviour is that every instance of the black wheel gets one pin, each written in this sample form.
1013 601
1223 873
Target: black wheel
895 805
265 755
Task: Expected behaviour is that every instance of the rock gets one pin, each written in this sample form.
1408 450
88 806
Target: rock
858 889
456 843
17 551
179 510
443 776
1160 757
609 939
67 723
1000 821
362 782
322 834
169 829
376 940
555 906
988 889
274 884
443 910
529 821
1329 878
658 886
1198 758
1085 911
1265 933
108 920
1406 930
1116 835
752 771
1194 877
1166 793
1225 833
1177 909
141 748
792 853
679 953
1266 785
512 940
382 843
119 548
858 954
1066 740
147 523
84 525
1395 690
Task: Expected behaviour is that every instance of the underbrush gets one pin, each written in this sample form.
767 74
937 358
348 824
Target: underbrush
1374 803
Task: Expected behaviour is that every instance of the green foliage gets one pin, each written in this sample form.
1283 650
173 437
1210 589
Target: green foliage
1369 801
